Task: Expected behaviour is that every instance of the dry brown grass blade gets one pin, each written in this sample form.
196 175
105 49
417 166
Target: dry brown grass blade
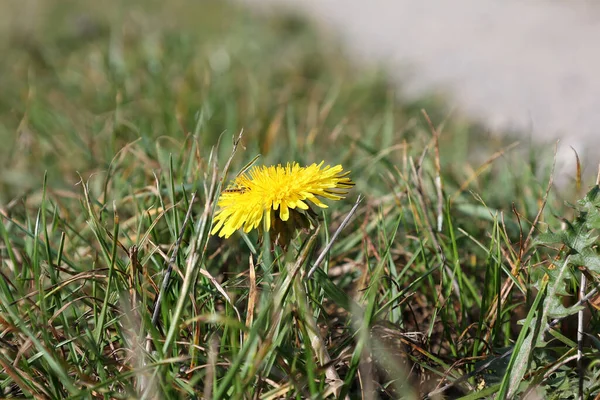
252 294
578 171
439 184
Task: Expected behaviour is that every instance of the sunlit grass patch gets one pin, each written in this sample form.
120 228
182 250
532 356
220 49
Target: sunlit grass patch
119 145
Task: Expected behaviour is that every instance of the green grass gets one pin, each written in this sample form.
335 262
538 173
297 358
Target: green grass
117 120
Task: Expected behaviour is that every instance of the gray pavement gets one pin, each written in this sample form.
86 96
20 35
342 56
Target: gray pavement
527 65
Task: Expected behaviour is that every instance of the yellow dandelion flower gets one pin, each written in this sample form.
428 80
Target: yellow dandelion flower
275 193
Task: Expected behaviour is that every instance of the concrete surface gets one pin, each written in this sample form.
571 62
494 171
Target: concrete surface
527 65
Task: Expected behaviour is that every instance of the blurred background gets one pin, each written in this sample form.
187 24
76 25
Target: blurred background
81 80
527 66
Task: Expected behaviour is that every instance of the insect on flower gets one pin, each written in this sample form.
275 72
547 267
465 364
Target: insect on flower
280 195
235 190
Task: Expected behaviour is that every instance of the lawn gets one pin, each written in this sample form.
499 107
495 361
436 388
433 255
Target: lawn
453 268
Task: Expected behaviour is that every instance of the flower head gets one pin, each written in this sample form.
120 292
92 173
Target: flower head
275 193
